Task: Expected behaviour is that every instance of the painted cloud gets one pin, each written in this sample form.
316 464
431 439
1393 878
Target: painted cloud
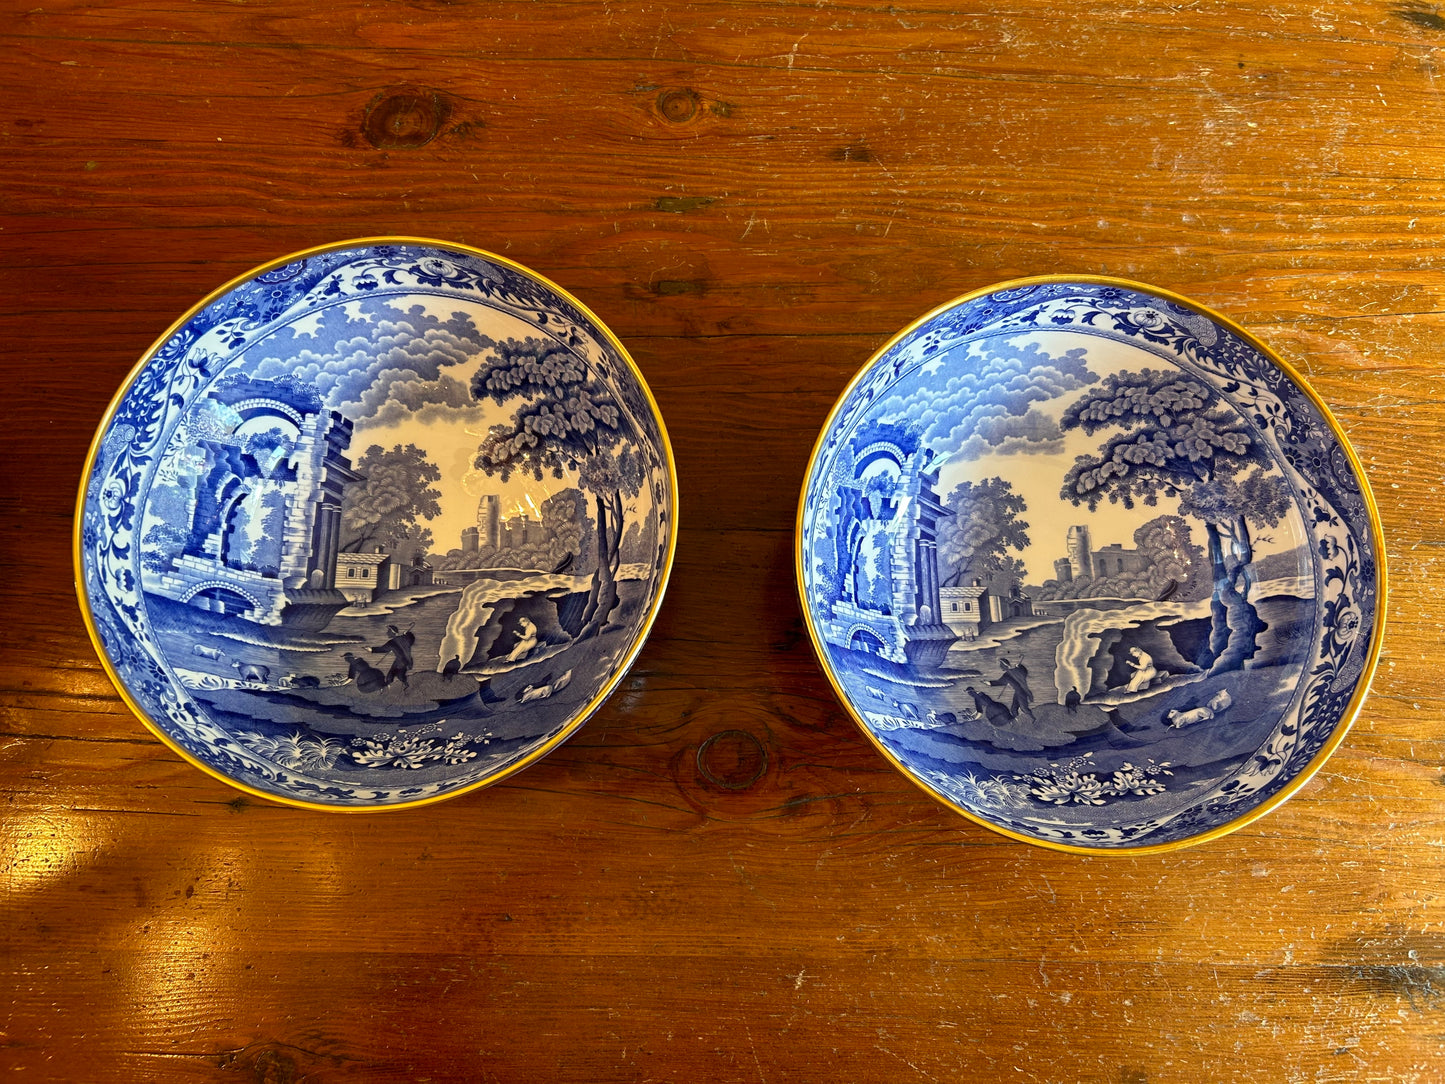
381 367
986 404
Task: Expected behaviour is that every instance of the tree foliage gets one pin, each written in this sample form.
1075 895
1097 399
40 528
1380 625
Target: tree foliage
1173 436
983 528
567 416
1176 438
1173 433
397 494
566 420
162 544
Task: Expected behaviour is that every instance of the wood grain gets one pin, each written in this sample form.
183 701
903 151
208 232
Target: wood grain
718 878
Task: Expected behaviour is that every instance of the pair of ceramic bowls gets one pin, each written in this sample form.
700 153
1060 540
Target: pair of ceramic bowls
385 521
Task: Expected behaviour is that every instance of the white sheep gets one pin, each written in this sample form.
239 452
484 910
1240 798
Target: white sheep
252 671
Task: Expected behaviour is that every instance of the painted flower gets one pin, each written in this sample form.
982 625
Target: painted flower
1347 624
1310 458
370 754
1148 318
1069 787
1132 780
284 273
112 496
431 265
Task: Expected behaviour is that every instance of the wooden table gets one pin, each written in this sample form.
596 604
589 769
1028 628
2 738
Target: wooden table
754 196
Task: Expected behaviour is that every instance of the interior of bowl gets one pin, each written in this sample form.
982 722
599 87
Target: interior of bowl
1090 565
376 524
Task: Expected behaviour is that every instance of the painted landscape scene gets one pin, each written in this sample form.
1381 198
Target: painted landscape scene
404 539
1060 578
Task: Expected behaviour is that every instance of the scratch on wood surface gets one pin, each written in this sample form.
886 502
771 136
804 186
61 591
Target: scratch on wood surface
752 1046
905 1061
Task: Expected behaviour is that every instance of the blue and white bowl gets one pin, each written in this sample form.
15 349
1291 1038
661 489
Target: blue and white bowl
1091 565
376 524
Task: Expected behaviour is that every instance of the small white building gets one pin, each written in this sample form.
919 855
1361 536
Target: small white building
360 576
969 610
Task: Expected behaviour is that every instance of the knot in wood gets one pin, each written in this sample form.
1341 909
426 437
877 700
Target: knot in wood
678 105
732 760
405 118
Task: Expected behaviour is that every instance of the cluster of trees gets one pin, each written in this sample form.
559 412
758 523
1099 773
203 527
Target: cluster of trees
640 540
385 512
1171 436
974 543
567 419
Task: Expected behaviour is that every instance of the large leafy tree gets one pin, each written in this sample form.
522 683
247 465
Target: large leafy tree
984 526
387 509
567 421
1172 436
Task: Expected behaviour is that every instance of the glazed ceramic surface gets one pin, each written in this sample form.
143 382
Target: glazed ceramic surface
1087 563
376 524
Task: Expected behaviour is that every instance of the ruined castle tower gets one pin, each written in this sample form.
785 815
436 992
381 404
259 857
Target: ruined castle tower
1081 557
489 520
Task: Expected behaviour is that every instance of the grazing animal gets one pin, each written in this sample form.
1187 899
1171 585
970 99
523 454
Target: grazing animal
545 688
252 671
208 652
942 718
876 694
303 681
1072 699
368 679
1217 704
907 711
